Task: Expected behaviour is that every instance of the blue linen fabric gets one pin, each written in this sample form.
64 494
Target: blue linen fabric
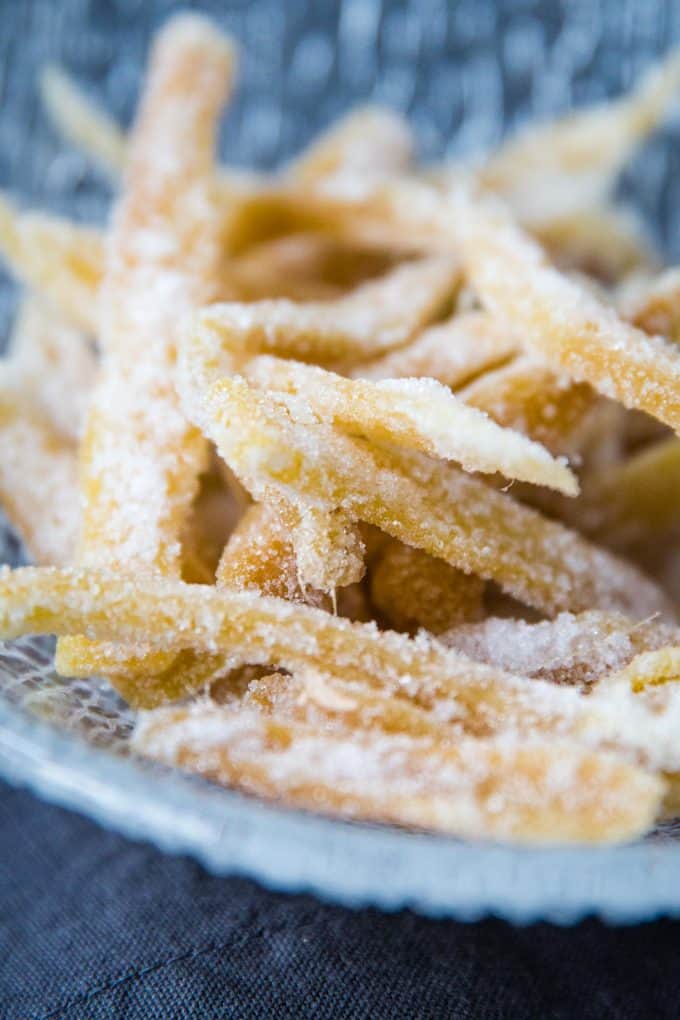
93 927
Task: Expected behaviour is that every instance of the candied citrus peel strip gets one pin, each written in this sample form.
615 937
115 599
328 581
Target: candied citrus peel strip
419 414
58 259
141 459
370 143
636 498
453 352
606 242
251 629
375 317
303 268
81 122
570 164
422 502
550 791
38 470
411 589
558 318
260 556
528 396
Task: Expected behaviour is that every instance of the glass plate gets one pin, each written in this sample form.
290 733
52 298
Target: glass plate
464 72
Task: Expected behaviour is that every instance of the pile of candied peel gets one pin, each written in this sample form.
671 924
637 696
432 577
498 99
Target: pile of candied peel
360 482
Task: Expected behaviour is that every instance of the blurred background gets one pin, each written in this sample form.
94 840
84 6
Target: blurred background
465 71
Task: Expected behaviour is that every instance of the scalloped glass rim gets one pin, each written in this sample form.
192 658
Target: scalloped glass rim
353 863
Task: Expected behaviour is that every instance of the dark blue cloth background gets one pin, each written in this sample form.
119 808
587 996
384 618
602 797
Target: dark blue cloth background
95 927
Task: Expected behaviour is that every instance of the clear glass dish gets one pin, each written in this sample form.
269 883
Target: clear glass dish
465 73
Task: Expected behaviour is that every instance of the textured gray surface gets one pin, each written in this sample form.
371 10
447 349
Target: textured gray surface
465 72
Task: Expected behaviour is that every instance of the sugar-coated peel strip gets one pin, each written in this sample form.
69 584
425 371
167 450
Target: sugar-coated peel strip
371 144
95 132
549 313
573 648
163 261
353 217
58 259
329 551
54 364
215 513
248 628
38 479
367 145
251 629
557 317
424 503
188 674
259 557
552 174
303 268
528 396
380 315
327 704
419 414
555 169
81 122
453 352
321 700
411 589
654 305
606 242
550 792
365 322
637 498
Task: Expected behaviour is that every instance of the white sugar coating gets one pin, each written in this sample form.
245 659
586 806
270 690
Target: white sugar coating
260 557
416 413
453 352
572 648
527 395
374 317
38 481
556 316
422 502
329 552
141 457
645 724
250 629
652 303
526 790
549 313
